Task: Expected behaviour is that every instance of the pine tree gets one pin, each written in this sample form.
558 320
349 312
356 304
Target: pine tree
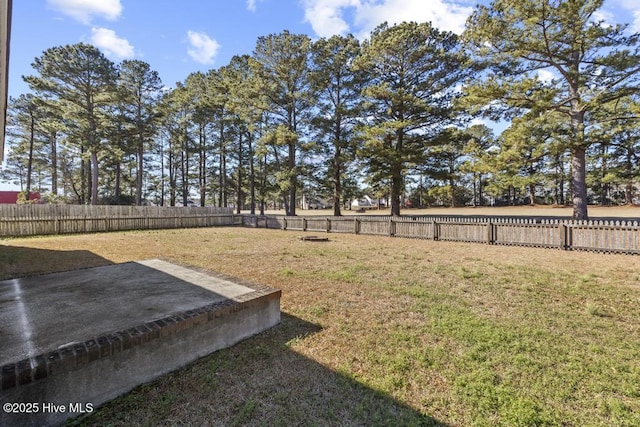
414 70
591 63
139 88
281 63
82 79
338 86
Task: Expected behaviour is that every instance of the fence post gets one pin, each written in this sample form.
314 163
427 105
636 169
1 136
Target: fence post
490 233
564 236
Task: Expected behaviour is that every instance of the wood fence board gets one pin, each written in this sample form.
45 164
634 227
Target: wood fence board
621 236
29 220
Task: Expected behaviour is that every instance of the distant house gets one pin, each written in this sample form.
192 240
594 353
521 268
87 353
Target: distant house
11 197
366 203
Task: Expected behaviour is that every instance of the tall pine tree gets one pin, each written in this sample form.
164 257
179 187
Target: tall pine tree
592 64
83 80
414 70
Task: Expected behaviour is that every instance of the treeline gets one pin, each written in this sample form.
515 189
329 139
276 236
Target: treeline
391 117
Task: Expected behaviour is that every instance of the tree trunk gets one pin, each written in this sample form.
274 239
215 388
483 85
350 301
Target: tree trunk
263 184
396 189
117 182
452 192
578 181
475 190
202 169
604 187
559 178
94 176
252 176
54 163
139 172
293 178
30 159
578 156
532 195
337 182
172 176
396 172
222 177
628 193
452 184
83 177
184 160
239 183
628 190
337 162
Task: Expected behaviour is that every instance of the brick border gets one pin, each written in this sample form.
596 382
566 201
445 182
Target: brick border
75 356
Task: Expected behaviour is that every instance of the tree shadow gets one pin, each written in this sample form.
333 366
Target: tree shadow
259 381
18 261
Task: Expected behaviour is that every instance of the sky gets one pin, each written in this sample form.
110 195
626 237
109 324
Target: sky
179 37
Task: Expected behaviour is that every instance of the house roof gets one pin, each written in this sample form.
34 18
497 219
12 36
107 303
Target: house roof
11 197
5 41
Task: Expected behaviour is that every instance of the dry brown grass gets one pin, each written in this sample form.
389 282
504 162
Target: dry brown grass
382 331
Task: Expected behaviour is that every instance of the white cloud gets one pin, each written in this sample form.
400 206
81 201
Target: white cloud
251 5
442 14
633 9
85 10
545 76
635 27
606 19
327 17
111 44
203 48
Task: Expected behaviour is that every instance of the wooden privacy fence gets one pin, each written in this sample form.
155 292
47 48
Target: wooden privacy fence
30 220
608 236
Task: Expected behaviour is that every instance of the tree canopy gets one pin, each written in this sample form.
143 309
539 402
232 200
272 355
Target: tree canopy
590 65
396 117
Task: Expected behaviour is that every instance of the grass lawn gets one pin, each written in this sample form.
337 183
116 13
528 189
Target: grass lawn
382 331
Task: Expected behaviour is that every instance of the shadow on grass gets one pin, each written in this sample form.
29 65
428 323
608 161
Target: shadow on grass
260 381
18 261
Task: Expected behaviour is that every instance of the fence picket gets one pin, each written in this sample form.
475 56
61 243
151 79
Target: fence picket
604 236
622 236
29 220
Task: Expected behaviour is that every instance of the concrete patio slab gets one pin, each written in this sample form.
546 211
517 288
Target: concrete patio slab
86 336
